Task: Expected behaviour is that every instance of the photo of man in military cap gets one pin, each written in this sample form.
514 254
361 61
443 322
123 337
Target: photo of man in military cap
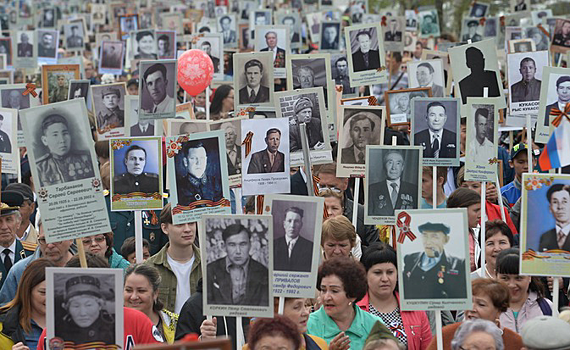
108 106
305 113
433 273
136 179
470 29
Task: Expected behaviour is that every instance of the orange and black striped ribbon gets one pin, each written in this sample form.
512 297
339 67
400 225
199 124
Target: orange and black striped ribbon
559 114
247 143
259 199
372 101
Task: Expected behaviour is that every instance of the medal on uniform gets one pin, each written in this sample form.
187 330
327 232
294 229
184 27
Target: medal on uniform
152 236
440 275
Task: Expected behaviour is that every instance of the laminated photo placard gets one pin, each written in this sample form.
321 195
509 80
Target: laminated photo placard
366 59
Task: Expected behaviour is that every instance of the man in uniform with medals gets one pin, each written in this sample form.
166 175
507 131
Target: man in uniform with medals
111 116
433 274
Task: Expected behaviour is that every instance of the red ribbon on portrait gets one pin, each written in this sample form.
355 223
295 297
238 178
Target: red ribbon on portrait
247 143
403 222
372 101
383 23
259 199
560 114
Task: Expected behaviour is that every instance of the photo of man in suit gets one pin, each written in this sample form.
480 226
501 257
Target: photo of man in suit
393 192
143 128
329 37
473 84
5 143
364 58
436 140
394 33
46 46
254 92
268 160
432 273
25 49
424 75
361 129
233 151
528 88
229 35
223 286
207 48
558 196
290 21
292 252
278 53
563 91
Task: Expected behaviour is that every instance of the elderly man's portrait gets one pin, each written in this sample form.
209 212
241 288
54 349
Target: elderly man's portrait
480 147
561 33
340 73
234 247
393 30
364 49
198 172
558 196
14 98
112 53
273 40
527 88
399 104
227 26
306 109
429 23
48 18
166 44
232 130
252 84
136 168
157 87
84 306
433 266
47 43
478 10
108 105
427 73
25 44
361 127
293 229
5 131
435 127
330 35
270 159
395 180
74 36
79 89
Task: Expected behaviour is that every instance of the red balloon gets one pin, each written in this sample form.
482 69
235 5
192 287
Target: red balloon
195 71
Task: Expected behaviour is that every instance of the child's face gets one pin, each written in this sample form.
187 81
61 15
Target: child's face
520 163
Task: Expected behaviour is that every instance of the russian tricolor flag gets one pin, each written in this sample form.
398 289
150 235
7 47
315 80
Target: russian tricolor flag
556 153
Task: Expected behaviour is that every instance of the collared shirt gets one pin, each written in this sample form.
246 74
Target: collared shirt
523 91
433 135
428 263
389 184
255 90
291 243
166 105
238 274
232 154
481 153
561 106
271 157
25 235
564 230
357 152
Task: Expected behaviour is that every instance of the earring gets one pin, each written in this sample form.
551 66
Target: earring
349 303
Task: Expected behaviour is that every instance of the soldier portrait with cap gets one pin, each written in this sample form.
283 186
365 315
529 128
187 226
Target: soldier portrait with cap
305 113
58 91
5 143
61 163
136 179
110 115
434 273
83 317
471 34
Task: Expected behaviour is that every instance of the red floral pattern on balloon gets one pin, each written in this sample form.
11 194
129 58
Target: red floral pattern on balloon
195 71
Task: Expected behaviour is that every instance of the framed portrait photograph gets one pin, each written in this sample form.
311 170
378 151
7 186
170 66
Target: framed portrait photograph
521 45
212 44
6 49
291 20
136 173
561 38
237 240
309 71
447 73
297 222
339 70
478 72
55 79
157 89
166 43
399 104
275 40
259 18
48 18
410 41
134 126
98 14
74 37
479 9
491 29
227 25
245 9
357 10
411 20
395 175
144 45
428 22
361 126
438 235
313 21
197 170
393 33
77 299
245 43
9 151
366 60
544 210
25 48
330 36
519 5
109 109
186 127
265 157
427 73
127 25
555 82
540 16
309 109
481 140
172 21
80 89
253 79
12 97
525 81
436 128
232 134
65 172
472 29
48 41
112 57
540 38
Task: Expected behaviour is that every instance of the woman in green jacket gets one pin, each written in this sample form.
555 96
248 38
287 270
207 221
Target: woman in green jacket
22 320
102 245
342 324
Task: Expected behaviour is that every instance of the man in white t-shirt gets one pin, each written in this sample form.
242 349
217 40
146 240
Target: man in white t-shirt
178 262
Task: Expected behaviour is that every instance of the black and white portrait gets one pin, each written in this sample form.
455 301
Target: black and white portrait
243 242
47 43
212 44
136 167
429 23
14 98
427 73
490 29
79 89
540 16
166 44
187 127
136 126
394 174
245 8
561 33
481 134
306 109
232 132
74 36
144 45
557 82
273 39
48 18
108 104
525 80
112 55
293 22
394 33
7 123
253 78
472 30
157 89
330 36
309 71
399 104
259 18
227 25
479 9
128 24
520 5
6 49
521 45
411 20
85 307
340 73
361 126
98 14
435 129
24 44
540 38
364 49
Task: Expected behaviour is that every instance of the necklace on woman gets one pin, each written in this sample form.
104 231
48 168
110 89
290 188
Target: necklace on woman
487 272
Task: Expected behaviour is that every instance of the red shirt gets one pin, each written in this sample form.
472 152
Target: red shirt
493 212
138 329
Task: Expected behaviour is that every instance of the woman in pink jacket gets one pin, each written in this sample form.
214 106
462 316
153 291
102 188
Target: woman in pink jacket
410 327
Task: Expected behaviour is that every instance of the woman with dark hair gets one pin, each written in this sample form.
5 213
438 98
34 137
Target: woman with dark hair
527 293
142 283
412 328
274 333
490 299
146 45
342 283
222 103
22 320
498 237
466 198
102 245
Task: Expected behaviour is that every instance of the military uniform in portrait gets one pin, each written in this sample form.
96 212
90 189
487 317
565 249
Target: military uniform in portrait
129 183
191 189
73 166
380 202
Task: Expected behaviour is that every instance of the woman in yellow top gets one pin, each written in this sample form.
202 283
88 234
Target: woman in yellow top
141 293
